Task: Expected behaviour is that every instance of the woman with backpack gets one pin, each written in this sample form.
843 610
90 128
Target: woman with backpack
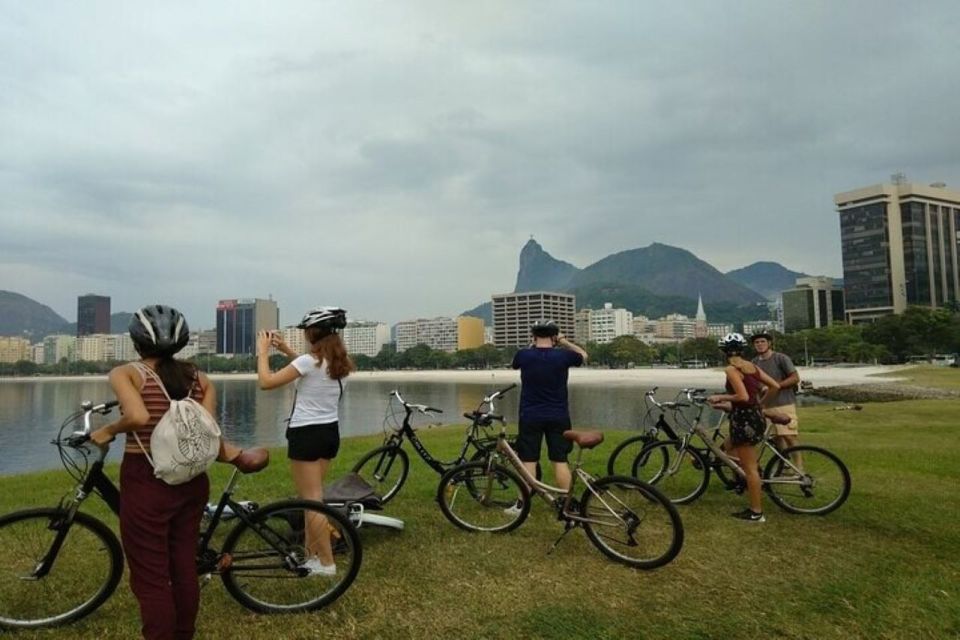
160 522
313 433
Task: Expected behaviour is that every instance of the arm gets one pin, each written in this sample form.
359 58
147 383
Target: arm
566 344
268 379
209 395
773 387
124 382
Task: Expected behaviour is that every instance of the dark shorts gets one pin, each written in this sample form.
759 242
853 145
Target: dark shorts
747 425
531 434
312 442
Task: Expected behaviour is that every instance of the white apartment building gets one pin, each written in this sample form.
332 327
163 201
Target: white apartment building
758 326
90 348
58 347
295 339
676 326
608 323
645 329
36 353
437 333
514 313
718 330
366 338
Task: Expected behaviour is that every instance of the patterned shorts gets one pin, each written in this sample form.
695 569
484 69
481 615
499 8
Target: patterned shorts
747 425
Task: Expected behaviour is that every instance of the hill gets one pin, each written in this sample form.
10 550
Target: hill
766 278
22 316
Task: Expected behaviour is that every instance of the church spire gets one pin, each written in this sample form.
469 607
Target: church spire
701 314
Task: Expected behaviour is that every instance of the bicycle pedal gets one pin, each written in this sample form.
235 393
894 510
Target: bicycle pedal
225 562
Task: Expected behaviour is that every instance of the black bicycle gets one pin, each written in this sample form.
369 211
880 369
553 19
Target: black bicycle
59 564
386 467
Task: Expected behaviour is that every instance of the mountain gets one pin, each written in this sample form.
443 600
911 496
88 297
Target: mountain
666 271
766 278
539 271
19 315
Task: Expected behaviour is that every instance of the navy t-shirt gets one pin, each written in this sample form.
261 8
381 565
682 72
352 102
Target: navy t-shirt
543 376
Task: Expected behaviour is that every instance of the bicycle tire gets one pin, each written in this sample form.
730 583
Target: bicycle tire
83 576
681 475
386 470
266 580
634 441
823 476
499 500
632 504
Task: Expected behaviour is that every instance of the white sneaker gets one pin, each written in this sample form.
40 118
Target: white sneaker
514 510
317 568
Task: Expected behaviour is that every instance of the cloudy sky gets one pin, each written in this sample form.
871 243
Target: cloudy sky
393 157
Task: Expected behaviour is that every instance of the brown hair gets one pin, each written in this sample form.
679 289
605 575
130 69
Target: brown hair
329 348
178 376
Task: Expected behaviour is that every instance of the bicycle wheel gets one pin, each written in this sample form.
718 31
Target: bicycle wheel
680 473
477 498
85 572
815 483
267 555
385 469
631 522
620 462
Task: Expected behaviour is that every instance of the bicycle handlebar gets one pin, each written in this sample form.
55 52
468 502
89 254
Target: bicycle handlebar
422 408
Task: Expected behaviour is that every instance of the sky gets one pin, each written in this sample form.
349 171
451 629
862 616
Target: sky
392 158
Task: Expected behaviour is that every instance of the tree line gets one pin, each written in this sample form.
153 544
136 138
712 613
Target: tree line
919 331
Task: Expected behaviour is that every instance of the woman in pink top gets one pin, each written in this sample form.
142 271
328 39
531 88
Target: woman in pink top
746 386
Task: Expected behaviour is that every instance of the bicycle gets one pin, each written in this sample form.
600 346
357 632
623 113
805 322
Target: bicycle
819 485
386 467
626 519
651 430
59 564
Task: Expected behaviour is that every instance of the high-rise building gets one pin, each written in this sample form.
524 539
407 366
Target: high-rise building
437 333
674 326
469 332
758 326
365 338
514 313
14 349
239 320
900 247
815 302
581 326
609 323
93 314
57 348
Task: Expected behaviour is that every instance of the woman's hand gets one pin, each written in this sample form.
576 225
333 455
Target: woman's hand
264 339
277 341
102 437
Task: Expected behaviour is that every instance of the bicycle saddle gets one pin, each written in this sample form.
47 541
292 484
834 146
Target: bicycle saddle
586 439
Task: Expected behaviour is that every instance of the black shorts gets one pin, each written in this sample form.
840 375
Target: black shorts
531 434
747 425
312 442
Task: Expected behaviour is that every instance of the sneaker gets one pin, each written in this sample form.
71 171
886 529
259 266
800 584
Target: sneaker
749 515
515 509
317 568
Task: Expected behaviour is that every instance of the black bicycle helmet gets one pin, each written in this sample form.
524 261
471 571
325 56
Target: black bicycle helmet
544 329
330 318
766 335
159 330
732 343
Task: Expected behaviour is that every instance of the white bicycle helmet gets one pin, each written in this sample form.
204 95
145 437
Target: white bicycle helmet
330 318
732 343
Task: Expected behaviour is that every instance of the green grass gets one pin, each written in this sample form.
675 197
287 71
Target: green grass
885 565
929 376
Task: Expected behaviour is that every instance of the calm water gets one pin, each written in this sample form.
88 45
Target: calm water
31 412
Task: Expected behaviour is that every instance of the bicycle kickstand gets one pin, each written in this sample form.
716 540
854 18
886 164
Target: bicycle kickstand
569 526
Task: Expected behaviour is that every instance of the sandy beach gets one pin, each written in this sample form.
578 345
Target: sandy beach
640 377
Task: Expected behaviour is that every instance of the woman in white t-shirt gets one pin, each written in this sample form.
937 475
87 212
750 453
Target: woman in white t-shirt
313 435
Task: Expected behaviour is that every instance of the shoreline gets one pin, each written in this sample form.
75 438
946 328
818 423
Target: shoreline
639 377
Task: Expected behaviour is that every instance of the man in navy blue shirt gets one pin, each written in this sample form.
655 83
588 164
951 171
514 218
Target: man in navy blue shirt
543 398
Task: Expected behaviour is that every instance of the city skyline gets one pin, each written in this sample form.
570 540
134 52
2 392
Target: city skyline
293 152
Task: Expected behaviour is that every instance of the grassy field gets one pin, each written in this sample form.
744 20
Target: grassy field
885 565
929 376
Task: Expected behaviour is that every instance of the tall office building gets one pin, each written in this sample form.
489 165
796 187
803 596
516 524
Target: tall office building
814 303
239 320
93 314
900 247
514 313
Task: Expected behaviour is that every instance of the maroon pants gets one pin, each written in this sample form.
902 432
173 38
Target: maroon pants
159 528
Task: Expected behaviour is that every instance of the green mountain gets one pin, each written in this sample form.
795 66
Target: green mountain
21 316
766 278
539 271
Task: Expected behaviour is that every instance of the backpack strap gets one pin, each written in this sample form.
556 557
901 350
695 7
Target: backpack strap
146 371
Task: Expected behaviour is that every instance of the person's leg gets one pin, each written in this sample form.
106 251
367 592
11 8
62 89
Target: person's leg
144 526
184 532
529 436
748 457
558 448
308 478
